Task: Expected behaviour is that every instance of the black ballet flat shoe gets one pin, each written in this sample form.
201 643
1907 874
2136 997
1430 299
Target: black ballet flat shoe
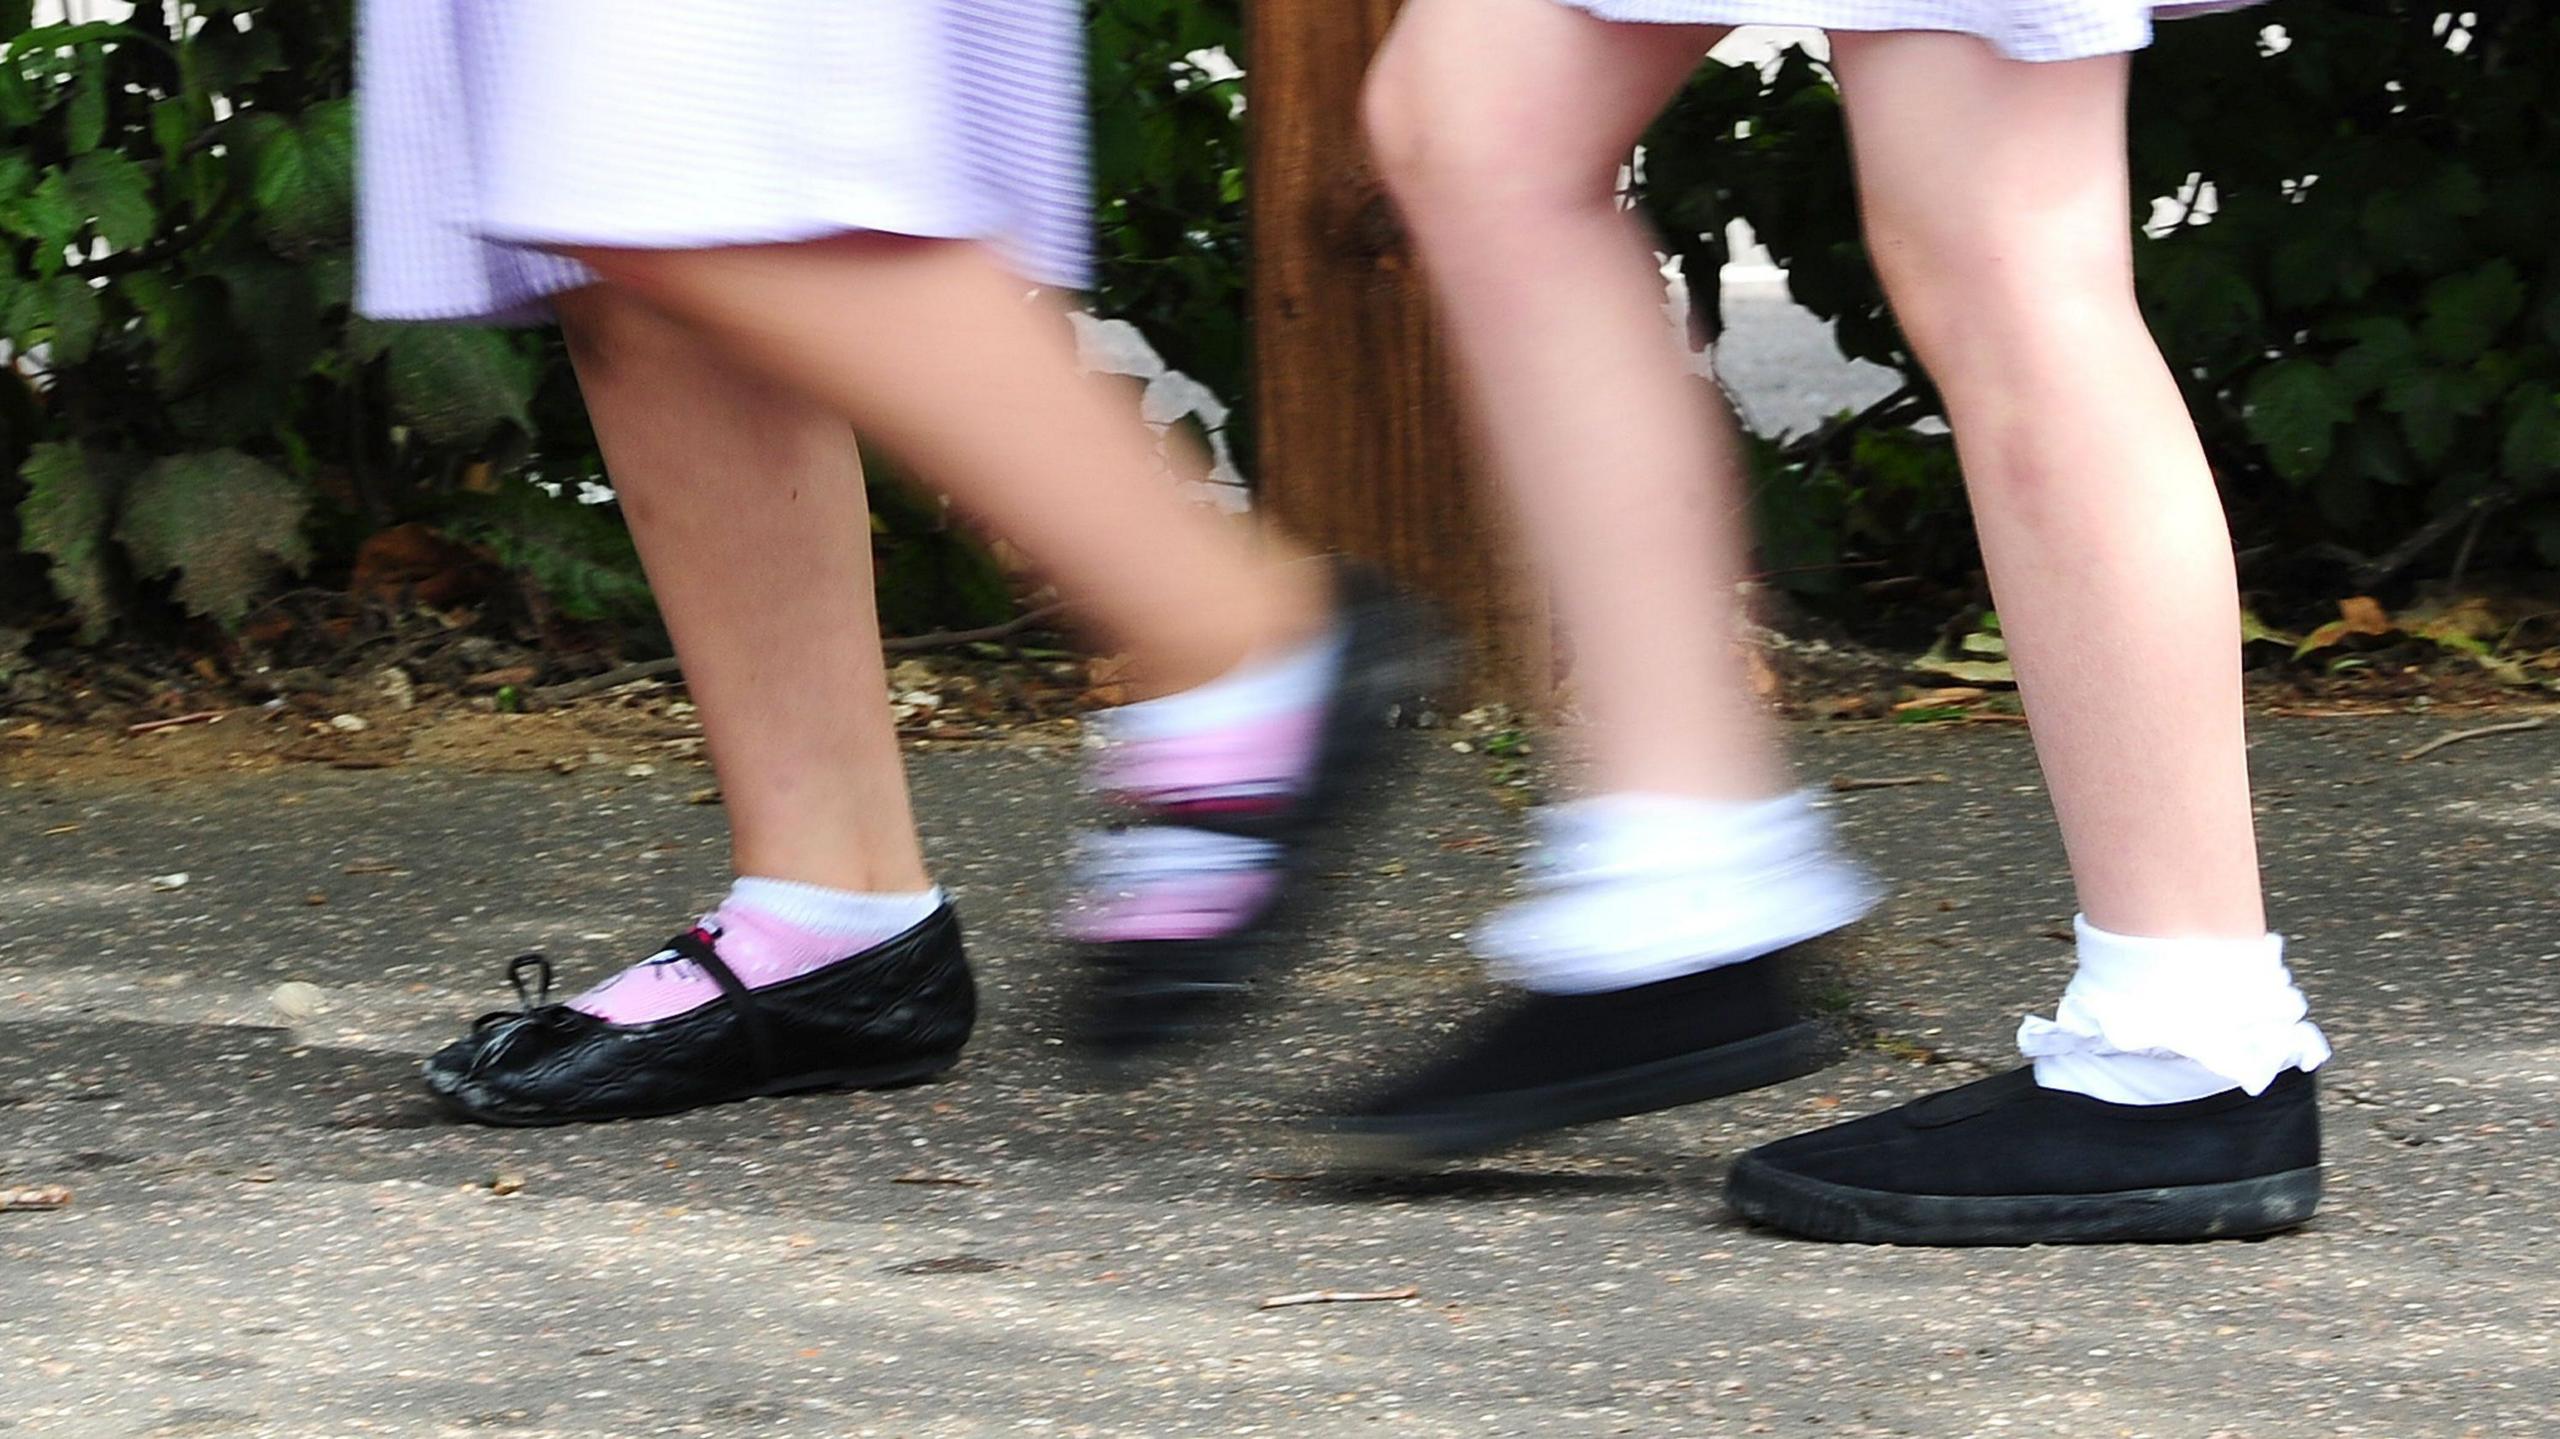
896 1013
1141 997
2006 1161
1547 1061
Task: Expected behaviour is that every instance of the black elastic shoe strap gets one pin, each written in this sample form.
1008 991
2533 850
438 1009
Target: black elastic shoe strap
742 1000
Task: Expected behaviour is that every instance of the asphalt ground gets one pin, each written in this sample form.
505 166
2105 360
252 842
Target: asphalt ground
272 1234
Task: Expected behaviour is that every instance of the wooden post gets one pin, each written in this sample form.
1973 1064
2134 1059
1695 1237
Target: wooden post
1360 446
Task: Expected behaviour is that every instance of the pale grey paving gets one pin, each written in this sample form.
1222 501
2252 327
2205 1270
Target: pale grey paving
271 1236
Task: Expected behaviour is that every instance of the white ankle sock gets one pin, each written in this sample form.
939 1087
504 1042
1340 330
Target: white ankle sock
2162 1021
1630 889
1254 690
839 914
767 931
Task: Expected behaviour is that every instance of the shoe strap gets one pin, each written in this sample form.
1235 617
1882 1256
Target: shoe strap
696 946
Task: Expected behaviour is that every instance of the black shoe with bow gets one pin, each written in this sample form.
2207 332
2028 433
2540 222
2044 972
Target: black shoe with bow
893 1014
2007 1161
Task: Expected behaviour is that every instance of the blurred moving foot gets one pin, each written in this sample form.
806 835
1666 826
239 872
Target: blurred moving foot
1228 790
1542 1062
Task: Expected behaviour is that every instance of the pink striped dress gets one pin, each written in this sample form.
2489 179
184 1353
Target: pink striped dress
493 128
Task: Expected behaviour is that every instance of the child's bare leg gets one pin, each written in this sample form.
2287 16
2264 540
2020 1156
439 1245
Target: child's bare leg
1650 953
2170 1097
1500 126
1996 207
1267 673
936 352
747 504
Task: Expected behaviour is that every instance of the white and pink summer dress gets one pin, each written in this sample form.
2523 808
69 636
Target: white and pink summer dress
492 128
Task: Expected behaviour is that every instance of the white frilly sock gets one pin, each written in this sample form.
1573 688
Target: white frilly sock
2162 1021
1630 889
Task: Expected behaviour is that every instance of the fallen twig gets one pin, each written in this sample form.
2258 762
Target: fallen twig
1843 784
611 679
944 639
41 1197
1339 1296
2458 736
173 721
955 1181
901 645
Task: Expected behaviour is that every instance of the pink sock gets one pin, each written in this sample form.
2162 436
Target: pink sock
767 931
1241 745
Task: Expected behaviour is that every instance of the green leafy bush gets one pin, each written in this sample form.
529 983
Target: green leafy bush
192 405
2359 295
193 411
2369 327
1169 183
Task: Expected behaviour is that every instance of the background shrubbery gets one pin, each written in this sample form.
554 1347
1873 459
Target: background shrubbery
192 412
2368 327
2357 287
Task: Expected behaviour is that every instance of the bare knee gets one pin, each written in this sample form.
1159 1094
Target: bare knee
1458 150
613 331
2000 310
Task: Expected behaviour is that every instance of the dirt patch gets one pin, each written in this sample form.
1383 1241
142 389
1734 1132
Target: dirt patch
115 723
649 724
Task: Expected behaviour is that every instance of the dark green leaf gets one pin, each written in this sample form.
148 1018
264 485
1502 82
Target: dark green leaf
224 59
274 305
115 194
2432 405
305 184
2467 312
2383 350
2546 535
60 313
2532 447
71 498
455 385
219 521
85 120
174 126
73 315
191 337
2294 410
47 215
18 104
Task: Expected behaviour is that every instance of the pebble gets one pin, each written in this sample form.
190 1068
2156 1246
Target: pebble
298 999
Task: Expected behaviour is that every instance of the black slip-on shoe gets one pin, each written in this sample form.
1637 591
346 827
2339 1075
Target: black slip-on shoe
2006 1161
1547 1061
1143 996
894 1014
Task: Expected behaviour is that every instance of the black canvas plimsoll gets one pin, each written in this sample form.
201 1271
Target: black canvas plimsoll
896 1013
2006 1161
1543 1062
